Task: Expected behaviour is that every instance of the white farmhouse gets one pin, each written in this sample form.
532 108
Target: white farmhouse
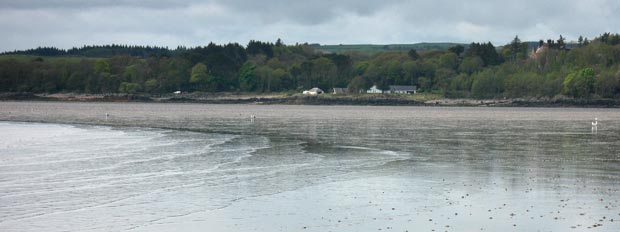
374 89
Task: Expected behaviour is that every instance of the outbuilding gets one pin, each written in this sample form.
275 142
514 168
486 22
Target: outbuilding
340 90
313 91
403 89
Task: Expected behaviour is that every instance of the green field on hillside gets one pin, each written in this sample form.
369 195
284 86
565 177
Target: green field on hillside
374 48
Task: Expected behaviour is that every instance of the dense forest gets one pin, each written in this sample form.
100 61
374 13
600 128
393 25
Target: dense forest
550 68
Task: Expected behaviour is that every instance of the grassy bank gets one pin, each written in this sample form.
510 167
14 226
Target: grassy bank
428 99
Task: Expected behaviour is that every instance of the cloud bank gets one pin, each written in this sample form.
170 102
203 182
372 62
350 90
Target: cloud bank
68 23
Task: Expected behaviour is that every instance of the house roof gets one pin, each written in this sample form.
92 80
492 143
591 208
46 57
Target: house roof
402 88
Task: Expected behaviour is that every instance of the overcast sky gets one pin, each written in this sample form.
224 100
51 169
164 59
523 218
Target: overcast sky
68 23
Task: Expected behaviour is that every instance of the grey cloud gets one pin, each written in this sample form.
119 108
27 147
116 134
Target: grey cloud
66 23
81 4
307 12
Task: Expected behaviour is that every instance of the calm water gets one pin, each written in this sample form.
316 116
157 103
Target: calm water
195 167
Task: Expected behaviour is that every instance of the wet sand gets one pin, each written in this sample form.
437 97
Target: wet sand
189 167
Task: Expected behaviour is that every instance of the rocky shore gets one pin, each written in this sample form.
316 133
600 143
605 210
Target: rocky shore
228 98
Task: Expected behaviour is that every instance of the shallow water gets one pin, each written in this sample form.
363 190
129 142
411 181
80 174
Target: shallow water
188 167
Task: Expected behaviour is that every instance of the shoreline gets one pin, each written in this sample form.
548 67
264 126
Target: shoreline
327 99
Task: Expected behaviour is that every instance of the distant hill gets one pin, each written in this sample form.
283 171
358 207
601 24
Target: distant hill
146 51
375 48
102 51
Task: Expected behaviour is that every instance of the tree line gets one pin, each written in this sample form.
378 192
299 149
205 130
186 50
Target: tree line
99 51
586 69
